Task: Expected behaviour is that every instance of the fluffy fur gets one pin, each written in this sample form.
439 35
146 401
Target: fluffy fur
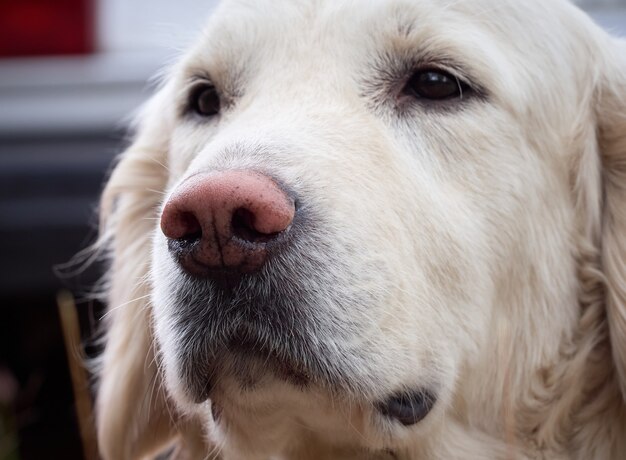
475 247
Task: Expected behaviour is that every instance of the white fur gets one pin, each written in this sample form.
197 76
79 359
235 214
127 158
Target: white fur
481 247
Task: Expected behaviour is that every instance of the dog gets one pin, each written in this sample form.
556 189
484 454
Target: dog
373 230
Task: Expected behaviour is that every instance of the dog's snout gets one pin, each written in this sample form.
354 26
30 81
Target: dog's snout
226 220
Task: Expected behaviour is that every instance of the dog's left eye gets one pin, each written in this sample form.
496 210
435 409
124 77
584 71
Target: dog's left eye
435 84
205 100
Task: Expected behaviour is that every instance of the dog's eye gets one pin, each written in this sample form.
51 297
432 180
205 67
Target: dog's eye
205 100
435 85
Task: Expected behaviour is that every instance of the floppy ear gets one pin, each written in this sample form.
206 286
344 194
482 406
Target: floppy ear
611 116
133 417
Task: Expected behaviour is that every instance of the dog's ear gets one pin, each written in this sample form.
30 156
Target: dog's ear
611 133
133 417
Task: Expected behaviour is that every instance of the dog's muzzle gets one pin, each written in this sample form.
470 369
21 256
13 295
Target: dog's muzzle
248 305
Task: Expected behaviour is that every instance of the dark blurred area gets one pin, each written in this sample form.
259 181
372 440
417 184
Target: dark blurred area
55 150
48 190
49 183
71 71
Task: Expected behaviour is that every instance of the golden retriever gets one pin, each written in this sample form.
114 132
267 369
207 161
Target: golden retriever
373 230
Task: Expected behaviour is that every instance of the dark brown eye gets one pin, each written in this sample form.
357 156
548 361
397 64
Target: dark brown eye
435 85
205 101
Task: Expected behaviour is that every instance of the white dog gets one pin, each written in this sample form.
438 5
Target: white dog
374 229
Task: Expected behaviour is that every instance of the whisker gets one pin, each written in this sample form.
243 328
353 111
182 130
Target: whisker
123 305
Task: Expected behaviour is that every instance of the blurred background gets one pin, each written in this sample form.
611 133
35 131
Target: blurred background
71 73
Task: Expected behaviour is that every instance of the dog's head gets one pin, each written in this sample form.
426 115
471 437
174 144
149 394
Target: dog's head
347 221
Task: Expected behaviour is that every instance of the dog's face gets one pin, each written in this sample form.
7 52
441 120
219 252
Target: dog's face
425 147
418 171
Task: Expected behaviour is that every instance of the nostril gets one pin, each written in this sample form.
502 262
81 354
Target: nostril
190 227
180 225
183 231
242 224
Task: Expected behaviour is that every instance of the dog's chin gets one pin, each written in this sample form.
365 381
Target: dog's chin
243 367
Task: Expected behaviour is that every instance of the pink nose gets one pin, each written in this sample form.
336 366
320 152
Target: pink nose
225 220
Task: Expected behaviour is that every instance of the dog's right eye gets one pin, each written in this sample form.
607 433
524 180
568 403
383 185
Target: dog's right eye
436 85
205 101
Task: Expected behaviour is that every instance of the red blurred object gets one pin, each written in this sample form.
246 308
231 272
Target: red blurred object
45 27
